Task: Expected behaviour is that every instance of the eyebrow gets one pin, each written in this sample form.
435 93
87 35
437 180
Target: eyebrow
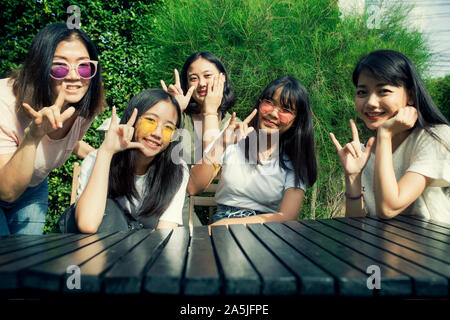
65 58
154 114
381 84
205 71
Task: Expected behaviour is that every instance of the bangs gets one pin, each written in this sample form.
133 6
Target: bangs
287 96
384 69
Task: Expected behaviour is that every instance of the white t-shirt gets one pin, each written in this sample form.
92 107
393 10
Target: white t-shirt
173 212
258 187
423 154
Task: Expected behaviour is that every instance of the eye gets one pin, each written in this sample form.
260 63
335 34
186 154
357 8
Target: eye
287 111
192 79
361 92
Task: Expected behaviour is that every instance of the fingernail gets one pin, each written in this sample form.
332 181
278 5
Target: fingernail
60 124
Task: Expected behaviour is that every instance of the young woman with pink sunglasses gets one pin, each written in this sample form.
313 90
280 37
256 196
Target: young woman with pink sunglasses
46 107
267 160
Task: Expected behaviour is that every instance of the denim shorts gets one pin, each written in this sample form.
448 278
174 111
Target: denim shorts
228 212
27 214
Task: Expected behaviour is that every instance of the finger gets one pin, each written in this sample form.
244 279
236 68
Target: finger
132 119
57 116
250 116
135 145
67 114
216 83
369 146
357 148
177 78
163 85
190 92
113 118
354 131
349 148
336 143
48 114
232 121
60 98
172 89
31 111
210 86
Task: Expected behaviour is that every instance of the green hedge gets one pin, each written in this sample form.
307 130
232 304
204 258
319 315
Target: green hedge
141 42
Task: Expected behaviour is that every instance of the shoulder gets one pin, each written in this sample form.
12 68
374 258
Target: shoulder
6 93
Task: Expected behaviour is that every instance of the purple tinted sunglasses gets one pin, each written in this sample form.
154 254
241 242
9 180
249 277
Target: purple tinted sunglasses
85 69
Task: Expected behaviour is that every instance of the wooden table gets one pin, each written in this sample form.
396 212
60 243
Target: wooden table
309 258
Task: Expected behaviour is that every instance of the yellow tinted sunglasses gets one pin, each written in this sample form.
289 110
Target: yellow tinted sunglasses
169 131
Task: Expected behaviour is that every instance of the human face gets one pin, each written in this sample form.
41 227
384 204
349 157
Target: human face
199 74
72 52
156 139
377 101
272 116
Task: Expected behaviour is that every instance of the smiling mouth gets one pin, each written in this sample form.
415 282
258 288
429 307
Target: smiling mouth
270 124
374 115
72 87
151 143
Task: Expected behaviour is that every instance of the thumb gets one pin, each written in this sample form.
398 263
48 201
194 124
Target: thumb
369 145
67 114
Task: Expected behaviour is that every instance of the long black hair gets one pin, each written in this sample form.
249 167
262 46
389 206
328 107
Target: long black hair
32 82
394 68
166 177
297 143
228 99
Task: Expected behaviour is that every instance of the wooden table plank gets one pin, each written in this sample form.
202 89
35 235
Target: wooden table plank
166 273
36 249
51 275
406 234
312 279
426 283
394 282
6 241
437 223
276 278
423 224
19 243
202 275
11 274
425 262
240 278
92 270
126 276
348 280
424 232
439 254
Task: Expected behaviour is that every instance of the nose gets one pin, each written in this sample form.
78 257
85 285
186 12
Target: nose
73 74
202 82
157 134
372 100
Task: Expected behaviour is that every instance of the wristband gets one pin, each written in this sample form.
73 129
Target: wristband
210 114
353 198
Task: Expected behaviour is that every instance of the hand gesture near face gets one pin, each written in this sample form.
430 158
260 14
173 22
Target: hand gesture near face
48 119
119 136
352 158
214 95
237 131
404 120
177 92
